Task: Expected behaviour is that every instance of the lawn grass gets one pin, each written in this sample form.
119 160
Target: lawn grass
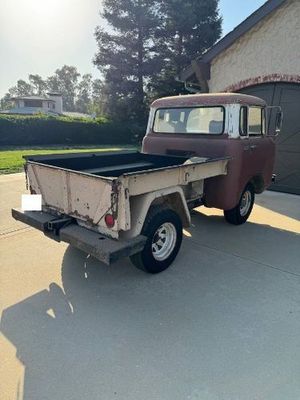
11 160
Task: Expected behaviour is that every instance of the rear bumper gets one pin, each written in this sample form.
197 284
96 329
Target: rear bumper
99 246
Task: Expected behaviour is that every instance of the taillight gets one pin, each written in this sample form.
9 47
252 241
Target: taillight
109 220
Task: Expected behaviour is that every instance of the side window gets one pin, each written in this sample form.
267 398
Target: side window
256 121
243 121
263 117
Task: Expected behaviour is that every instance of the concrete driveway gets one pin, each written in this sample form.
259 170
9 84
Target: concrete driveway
223 323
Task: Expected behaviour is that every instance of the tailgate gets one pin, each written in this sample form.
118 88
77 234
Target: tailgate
83 196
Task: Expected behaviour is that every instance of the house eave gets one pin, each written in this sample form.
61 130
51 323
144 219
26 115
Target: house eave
206 58
32 98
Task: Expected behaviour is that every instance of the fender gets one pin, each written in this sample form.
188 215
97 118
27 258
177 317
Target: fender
172 197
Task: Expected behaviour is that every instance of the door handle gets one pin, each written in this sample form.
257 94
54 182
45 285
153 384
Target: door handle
253 146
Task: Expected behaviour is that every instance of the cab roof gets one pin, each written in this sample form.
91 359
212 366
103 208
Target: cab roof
207 99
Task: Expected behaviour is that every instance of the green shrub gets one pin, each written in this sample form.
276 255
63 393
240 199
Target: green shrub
21 130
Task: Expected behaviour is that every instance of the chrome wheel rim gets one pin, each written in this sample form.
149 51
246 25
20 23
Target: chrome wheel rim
245 203
163 242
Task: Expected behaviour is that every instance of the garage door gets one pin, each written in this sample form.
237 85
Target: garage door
287 166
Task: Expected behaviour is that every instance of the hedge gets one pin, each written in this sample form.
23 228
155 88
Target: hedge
41 129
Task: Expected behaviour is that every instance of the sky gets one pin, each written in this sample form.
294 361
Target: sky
39 36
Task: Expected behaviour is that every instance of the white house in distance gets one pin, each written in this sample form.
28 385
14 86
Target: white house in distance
51 104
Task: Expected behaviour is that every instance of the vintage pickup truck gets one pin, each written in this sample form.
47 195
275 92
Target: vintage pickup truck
203 149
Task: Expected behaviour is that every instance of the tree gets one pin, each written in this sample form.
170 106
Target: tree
65 82
84 94
6 102
98 98
189 28
53 84
127 55
22 88
38 84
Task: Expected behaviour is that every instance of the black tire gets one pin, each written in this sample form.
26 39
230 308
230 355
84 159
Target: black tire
236 216
145 260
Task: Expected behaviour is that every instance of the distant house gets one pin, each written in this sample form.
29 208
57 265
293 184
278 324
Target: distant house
51 104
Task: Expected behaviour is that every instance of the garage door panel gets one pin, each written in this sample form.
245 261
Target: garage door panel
291 120
287 165
288 95
265 92
290 143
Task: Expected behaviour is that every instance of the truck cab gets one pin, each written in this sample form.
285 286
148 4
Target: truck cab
218 125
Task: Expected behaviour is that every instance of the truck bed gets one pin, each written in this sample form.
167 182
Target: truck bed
109 164
86 186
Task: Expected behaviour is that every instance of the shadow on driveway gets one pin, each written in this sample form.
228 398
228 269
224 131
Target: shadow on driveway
221 323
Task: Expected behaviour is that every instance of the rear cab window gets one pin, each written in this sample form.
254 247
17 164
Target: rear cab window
193 120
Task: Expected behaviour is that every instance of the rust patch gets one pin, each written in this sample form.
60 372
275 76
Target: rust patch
115 190
32 191
86 218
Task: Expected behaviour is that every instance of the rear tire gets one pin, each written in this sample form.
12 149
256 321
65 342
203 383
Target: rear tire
163 229
239 214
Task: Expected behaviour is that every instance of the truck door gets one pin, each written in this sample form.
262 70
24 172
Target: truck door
246 153
261 149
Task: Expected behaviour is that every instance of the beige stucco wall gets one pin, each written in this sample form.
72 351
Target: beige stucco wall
272 47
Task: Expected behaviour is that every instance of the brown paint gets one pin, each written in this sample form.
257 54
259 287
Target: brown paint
252 158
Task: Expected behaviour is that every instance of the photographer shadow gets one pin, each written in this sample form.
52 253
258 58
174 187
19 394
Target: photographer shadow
111 332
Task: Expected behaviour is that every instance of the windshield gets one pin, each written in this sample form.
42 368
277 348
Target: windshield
203 120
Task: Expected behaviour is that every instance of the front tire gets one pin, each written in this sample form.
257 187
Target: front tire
163 229
239 214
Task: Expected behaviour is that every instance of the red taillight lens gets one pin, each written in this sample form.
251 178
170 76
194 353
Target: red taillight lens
109 220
